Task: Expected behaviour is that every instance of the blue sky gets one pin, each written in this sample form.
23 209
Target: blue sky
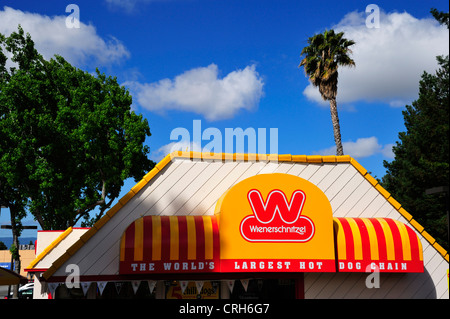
234 63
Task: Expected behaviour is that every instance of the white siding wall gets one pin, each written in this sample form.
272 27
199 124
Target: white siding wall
192 187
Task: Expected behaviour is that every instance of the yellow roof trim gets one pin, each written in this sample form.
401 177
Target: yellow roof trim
398 207
312 159
49 248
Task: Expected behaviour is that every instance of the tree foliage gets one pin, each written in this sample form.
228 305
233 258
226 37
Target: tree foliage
441 17
68 139
422 154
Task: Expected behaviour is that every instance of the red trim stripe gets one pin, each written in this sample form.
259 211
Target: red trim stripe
398 246
148 236
216 238
165 238
382 250
200 237
365 239
415 249
349 242
183 239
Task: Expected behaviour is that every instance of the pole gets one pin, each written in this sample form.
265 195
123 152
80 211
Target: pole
12 259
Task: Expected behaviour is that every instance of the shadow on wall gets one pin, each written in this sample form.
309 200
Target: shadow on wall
353 286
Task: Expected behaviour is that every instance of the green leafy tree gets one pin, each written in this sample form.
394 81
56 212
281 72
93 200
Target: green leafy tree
322 58
422 154
68 139
10 192
441 17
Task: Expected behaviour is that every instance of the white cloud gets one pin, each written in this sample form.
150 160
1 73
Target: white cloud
183 146
129 6
51 36
387 151
389 60
363 147
201 91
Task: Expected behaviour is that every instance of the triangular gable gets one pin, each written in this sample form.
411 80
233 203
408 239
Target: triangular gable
49 254
239 157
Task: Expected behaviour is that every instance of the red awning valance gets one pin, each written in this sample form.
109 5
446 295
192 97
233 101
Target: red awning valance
383 244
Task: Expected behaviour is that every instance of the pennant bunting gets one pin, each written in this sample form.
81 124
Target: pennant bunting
101 286
135 284
244 283
118 287
151 285
85 286
199 285
183 285
260 283
230 284
44 287
51 286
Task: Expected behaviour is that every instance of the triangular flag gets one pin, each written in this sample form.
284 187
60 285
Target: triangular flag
151 285
44 287
118 286
183 285
85 286
101 286
260 283
244 283
135 284
199 285
51 286
230 284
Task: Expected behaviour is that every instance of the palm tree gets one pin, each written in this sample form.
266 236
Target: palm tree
324 54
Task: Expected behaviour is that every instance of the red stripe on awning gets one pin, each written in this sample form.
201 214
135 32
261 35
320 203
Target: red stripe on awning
382 252
182 230
200 237
148 233
364 238
165 238
398 249
350 251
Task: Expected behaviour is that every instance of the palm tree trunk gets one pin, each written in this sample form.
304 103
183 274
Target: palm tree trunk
336 127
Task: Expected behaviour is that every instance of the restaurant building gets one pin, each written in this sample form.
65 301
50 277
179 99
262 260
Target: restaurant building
234 226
